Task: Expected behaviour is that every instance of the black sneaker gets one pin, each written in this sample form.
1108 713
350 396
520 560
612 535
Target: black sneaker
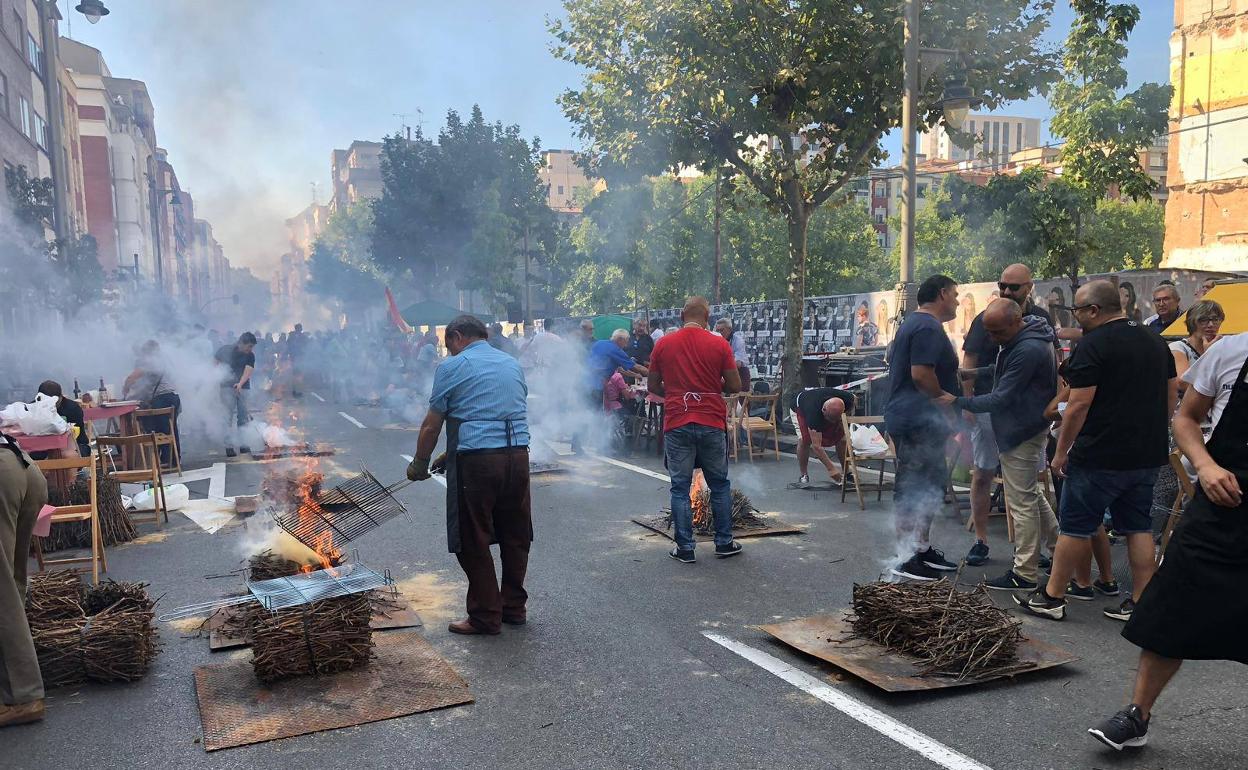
1126 728
936 559
229 452
1108 589
244 450
1040 604
1082 593
916 569
1046 563
685 557
1010 581
978 555
1122 611
724 551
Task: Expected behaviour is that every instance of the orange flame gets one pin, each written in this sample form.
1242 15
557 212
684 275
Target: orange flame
700 499
307 493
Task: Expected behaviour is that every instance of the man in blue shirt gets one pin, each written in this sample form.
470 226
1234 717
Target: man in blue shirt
605 356
480 395
922 368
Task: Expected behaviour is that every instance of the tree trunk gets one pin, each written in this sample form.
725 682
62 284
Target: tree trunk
790 370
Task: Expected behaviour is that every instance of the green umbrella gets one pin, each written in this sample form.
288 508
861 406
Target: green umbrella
431 313
605 324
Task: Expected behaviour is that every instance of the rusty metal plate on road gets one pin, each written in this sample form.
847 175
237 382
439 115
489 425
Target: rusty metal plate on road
225 636
827 637
775 527
406 677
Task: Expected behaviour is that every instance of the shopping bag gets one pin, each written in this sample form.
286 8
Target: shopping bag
866 440
176 496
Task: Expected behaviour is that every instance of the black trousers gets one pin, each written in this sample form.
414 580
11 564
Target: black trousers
163 424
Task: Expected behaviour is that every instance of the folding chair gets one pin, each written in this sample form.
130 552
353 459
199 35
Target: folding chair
82 512
145 456
853 457
750 424
737 408
165 439
1186 492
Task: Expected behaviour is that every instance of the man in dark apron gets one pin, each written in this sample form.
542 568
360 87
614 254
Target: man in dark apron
481 396
1195 605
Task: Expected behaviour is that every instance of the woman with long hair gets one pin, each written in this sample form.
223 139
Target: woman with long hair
1057 308
1126 294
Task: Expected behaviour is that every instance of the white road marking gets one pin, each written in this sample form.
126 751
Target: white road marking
877 720
438 477
634 468
352 420
317 396
215 474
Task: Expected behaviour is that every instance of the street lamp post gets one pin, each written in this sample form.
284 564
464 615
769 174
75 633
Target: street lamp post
174 200
957 101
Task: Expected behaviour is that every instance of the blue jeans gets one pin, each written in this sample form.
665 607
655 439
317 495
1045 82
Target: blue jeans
698 446
1089 492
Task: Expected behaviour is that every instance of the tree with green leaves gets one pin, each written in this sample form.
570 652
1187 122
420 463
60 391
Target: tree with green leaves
455 212
793 96
341 263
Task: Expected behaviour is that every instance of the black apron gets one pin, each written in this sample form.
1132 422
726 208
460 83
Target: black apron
453 543
1195 607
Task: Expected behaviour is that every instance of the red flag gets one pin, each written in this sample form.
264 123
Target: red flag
395 315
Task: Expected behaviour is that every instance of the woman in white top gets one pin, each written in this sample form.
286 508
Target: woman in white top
1203 321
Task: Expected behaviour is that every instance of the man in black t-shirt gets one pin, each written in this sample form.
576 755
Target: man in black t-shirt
1114 439
979 352
819 425
241 362
922 367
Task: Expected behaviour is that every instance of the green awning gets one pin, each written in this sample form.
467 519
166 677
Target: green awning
605 324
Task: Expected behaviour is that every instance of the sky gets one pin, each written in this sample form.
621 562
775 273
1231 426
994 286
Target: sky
251 96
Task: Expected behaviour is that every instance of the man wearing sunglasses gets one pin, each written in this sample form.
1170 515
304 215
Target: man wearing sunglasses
979 352
1114 439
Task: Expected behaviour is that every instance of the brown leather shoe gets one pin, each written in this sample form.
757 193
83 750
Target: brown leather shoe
468 629
21 713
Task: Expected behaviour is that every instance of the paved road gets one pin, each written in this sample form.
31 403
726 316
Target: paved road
616 668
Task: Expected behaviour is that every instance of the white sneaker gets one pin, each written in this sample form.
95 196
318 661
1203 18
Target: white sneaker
803 480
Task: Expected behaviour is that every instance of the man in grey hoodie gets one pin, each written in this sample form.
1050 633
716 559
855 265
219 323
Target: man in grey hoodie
1024 381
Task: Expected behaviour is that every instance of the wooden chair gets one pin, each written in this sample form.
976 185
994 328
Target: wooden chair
144 468
83 512
165 439
854 457
1186 492
737 408
750 424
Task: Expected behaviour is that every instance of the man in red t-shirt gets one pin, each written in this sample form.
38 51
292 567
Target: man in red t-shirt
691 368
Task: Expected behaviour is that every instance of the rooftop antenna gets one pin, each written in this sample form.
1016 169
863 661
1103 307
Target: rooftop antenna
403 125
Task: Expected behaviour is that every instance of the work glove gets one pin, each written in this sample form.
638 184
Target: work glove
439 464
418 469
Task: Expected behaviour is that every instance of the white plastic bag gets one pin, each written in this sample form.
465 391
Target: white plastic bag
866 440
275 436
176 496
36 419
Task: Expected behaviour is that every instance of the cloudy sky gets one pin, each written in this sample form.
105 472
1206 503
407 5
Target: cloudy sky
252 95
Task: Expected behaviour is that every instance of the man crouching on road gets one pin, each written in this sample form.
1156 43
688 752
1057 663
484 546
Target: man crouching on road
481 396
691 369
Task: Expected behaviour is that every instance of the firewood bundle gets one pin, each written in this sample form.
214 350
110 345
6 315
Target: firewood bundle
950 633
115 524
100 633
744 513
322 637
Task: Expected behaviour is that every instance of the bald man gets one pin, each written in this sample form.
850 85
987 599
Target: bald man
691 369
1114 439
979 351
1024 381
819 425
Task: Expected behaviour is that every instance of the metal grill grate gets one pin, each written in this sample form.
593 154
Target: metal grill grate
285 592
343 513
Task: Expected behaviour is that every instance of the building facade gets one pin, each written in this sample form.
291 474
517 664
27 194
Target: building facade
1207 168
356 173
996 137
567 187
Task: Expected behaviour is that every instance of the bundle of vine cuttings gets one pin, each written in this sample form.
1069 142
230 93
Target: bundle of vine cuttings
100 633
950 633
267 565
115 524
744 513
322 637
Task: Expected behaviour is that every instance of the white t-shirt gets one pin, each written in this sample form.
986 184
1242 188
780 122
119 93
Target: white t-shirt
1213 374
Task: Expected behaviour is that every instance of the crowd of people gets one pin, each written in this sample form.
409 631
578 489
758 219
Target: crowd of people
1104 422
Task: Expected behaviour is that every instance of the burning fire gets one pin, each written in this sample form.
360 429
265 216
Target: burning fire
700 499
296 483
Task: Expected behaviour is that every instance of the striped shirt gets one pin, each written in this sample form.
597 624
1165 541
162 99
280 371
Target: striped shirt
483 387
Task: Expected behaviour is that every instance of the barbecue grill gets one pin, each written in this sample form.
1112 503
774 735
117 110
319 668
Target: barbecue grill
343 513
286 592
